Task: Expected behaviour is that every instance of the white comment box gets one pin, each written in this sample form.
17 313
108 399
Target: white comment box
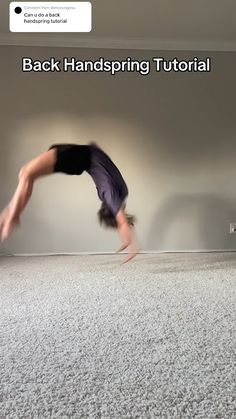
50 16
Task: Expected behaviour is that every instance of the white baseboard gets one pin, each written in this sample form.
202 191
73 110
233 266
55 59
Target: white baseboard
145 252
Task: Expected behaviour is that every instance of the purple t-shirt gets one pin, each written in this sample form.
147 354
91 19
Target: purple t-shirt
110 185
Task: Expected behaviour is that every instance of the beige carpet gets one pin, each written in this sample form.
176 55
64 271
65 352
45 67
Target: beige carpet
84 337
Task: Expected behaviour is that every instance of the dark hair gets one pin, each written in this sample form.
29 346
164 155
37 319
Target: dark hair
108 220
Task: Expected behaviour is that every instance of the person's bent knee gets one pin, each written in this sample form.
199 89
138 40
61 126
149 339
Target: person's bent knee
25 174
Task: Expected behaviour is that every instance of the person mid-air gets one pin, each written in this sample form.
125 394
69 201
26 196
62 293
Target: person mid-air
73 159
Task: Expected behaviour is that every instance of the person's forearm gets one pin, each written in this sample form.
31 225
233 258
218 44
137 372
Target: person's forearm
125 233
127 236
123 228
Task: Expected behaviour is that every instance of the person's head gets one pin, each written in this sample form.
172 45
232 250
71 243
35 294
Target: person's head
108 220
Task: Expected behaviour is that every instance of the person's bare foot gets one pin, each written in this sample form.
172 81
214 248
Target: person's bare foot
9 224
3 217
4 213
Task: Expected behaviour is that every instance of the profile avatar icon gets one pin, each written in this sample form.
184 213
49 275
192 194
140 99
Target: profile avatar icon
18 10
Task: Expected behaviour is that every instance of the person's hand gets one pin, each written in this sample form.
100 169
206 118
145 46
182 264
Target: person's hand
128 238
132 251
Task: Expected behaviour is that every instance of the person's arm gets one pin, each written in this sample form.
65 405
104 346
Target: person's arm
127 236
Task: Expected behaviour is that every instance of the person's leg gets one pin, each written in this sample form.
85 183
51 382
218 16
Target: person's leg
40 166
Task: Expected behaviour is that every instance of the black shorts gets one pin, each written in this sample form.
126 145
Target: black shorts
72 159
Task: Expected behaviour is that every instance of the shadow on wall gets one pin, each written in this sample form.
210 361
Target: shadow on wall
193 222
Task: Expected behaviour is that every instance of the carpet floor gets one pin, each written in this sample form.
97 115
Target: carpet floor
86 337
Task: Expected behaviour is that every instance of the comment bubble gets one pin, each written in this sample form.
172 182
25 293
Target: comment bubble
50 16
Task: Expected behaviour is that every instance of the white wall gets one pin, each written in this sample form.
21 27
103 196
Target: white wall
172 136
